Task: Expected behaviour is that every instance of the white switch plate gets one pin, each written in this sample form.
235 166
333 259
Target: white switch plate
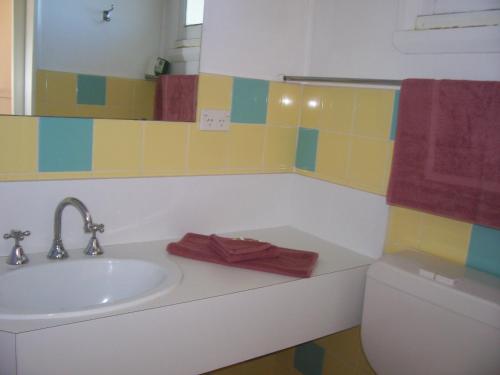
214 120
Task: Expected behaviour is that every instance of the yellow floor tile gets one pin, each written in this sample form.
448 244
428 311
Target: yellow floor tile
18 145
446 238
373 115
117 148
368 164
165 147
280 146
332 156
403 230
344 346
208 151
266 365
246 147
284 104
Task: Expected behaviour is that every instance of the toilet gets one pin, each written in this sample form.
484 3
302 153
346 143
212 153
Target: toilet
425 315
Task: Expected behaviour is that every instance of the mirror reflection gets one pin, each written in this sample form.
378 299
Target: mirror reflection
122 59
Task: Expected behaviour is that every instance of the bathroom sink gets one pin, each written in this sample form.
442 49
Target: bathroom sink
83 287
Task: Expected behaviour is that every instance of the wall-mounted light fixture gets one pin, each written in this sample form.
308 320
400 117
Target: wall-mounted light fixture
106 14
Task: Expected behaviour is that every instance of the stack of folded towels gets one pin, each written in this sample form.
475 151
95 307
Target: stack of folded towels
245 253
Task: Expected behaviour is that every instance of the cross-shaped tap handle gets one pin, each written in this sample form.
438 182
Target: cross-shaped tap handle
17 235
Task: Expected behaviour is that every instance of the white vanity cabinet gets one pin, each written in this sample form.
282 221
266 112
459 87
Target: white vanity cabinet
215 317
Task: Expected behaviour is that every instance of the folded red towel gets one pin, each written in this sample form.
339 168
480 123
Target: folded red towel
297 263
237 250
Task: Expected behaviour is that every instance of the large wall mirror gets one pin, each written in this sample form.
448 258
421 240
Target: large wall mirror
121 59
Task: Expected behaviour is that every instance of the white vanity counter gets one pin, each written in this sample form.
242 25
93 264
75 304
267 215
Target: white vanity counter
224 314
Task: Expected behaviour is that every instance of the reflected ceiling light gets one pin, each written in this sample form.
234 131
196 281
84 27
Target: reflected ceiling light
286 101
313 103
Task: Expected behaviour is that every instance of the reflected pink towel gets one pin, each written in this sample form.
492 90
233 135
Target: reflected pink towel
236 250
447 150
297 263
176 98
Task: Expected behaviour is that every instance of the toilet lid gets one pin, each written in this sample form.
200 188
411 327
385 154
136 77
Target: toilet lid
461 289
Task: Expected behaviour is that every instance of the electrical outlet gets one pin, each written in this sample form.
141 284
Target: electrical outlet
214 120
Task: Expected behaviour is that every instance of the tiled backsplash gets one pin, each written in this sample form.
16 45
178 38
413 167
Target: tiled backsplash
262 139
345 137
72 94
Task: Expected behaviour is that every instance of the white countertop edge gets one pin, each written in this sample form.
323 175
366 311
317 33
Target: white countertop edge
202 280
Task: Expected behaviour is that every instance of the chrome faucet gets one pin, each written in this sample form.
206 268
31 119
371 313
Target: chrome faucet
57 250
17 255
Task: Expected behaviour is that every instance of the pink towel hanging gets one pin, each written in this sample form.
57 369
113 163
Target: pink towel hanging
447 150
176 98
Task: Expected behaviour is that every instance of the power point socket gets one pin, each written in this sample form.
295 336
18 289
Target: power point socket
214 120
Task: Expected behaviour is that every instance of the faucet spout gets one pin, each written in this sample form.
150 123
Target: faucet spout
57 250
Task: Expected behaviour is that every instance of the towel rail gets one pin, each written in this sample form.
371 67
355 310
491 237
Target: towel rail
357 81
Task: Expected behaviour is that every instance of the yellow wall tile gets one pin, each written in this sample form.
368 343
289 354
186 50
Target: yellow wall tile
387 175
215 92
284 104
373 116
368 164
246 146
40 93
55 94
446 238
411 229
403 230
312 105
332 156
60 87
165 148
338 109
328 108
280 145
207 150
18 145
144 99
63 176
117 147
92 111
120 93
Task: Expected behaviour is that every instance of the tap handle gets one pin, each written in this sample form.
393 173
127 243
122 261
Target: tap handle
97 228
17 235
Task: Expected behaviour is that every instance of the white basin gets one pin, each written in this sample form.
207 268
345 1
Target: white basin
73 288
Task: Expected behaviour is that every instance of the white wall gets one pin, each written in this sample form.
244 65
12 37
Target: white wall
73 37
163 208
254 38
353 38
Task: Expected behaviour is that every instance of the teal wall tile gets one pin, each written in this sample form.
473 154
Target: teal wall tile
64 144
484 249
91 90
306 149
309 358
395 111
250 97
